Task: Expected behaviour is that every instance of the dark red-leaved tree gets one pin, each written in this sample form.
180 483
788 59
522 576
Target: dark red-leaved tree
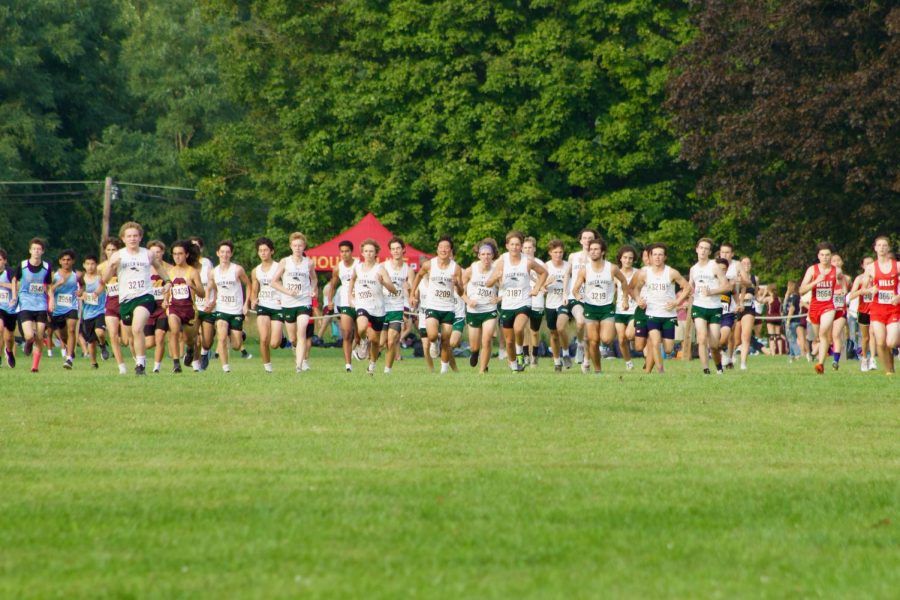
791 110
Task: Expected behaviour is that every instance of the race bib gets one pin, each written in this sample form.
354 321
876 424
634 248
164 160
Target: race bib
65 300
823 294
267 294
726 308
5 296
181 291
512 293
484 292
554 295
444 294
112 290
885 296
364 294
867 298
231 299
599 297
158 294
839 301
35 288
91 299
701 290
137 285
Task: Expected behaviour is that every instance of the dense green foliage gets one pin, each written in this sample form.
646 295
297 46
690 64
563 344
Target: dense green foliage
328 485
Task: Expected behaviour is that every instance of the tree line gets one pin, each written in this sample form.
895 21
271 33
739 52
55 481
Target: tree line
772 125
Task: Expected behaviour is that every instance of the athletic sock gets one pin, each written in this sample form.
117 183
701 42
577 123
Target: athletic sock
519 349
268 367
445 367
837 357
176 363
526 350
157 366
36 359
140 360
565 353
203 351
557 362
387 369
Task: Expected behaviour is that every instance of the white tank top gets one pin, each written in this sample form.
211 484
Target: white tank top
229 292
659 291
205 267
398 300
577 260
556 294
537 302
621 294
705 278
423 301
296 277
731 275
134 274
516 284
441 295
269 297
483 296
598 285
460 311
368 289
344 274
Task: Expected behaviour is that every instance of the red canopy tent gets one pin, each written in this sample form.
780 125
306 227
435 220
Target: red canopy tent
326 256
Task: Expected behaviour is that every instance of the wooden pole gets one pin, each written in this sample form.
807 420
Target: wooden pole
107 206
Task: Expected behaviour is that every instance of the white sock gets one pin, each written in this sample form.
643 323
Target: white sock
520 349
387 369
123 369
157 366
204 352
445 367
140 360
557 361
226 368
268 367
565 353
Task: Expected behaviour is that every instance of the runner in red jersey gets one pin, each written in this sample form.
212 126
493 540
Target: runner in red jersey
866 335
884 312
117 334
186 285
839 329
822 279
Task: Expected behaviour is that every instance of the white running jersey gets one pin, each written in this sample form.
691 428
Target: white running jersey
344 274
537 301
134 274
269 297
441 294
423 301
556 293
577 260
620 294
205 267
484 297
399 277
229 291
659 291
460 311
368 290
296 278
516 285
705 278
598 285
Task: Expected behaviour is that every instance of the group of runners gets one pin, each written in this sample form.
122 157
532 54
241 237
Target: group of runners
133 298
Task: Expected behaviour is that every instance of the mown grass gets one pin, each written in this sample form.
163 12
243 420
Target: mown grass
767 483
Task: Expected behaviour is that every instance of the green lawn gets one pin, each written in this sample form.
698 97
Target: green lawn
767 483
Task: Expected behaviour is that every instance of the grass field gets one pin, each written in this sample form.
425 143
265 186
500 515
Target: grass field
768 483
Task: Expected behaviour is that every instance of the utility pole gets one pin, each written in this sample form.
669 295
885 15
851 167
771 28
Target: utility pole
107 206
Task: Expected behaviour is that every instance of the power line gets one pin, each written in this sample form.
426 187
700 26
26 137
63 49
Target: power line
46 182
36 194
161 187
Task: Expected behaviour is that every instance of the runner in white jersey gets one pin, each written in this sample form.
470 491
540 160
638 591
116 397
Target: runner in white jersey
536 314
661 303
340 279
708 283
555 290
444 278
366 291
132 266
229 303
266 300
625 327
395 304
864 299
512 272
574 309
428 352
207 323
295 279
481 305
595 287
729 338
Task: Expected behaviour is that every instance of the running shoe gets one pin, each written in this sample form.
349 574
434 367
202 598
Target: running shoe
706 372
204 361
567 362
558 368
177 368
189 356
95 366
68 364
140 370
820 368
434 351
245 354
579 352
28 348
473 359
304 366
520 362
371 369
835 365
10 359
104 351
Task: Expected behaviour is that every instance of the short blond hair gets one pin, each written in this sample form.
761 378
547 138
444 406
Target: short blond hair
297 236
131 225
